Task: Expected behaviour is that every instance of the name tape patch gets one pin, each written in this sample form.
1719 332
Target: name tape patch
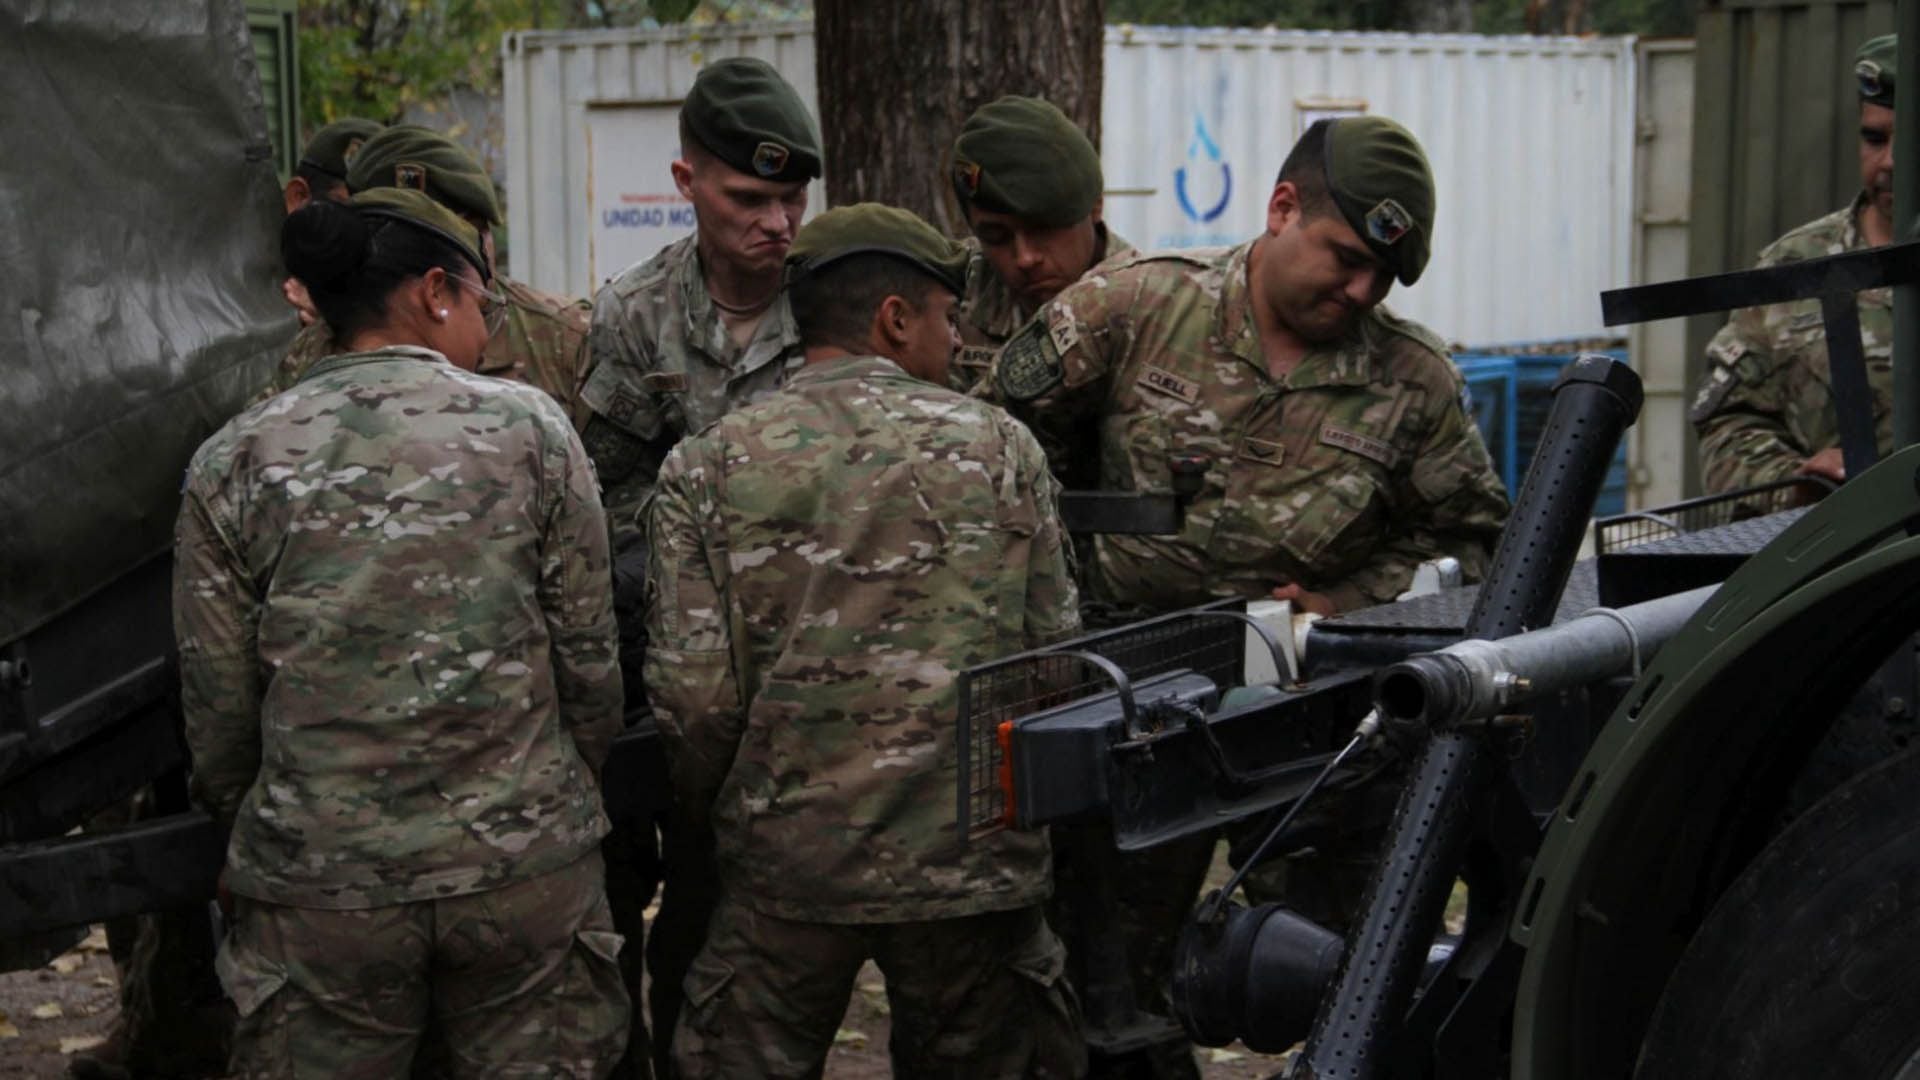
664 382
1166 382
1358 443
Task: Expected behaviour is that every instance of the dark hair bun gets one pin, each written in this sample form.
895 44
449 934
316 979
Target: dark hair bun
323 243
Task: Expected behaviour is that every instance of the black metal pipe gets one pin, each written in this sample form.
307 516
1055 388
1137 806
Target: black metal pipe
1595 399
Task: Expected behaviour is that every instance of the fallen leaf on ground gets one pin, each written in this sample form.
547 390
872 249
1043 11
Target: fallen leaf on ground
104 981
48 1011
850 1037
67 963
1220 1055
7 1030
74 1044
95 941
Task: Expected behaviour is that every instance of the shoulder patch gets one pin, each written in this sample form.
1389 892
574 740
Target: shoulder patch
1713 393
1029 363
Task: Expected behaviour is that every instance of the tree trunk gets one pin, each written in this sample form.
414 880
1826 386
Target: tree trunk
897 79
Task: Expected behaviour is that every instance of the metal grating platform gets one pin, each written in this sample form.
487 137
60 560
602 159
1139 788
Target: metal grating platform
1209 641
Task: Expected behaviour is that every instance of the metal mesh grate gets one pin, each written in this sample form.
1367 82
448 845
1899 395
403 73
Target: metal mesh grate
1612 534
1210 641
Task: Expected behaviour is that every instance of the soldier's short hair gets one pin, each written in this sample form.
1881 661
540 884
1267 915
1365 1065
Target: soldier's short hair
835 304
1306 169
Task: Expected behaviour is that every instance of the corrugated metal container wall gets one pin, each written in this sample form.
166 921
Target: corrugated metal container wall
1776 122
1531 141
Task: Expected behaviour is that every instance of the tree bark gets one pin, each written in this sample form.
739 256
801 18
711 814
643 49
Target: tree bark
898 79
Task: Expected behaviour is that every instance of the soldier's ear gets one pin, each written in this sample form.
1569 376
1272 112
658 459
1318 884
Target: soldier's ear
892 323
296 194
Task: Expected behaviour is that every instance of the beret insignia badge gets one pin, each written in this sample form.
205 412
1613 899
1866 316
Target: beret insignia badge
967 175
353 150
1868 72
410 174
769 159
1388 221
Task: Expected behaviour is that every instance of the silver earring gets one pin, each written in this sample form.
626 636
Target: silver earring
443 314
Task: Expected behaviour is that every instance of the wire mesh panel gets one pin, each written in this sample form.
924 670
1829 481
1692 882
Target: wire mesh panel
1611 534
994 697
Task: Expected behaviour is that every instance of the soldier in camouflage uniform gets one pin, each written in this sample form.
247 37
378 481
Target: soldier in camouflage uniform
678 341
173 1020
1765 410
1339 454
322 174
1029 183
397 657
536 338
824 563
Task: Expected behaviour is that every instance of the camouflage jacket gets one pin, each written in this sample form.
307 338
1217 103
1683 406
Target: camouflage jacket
396 637
542 343
823 563
664 367
1342 477
1766 403
990 313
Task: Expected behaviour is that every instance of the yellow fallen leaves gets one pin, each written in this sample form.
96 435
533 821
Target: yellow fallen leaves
74 1044
850 1037
67 963
49 1010
7 1030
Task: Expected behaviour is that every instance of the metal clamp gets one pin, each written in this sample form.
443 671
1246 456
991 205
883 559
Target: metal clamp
1626 627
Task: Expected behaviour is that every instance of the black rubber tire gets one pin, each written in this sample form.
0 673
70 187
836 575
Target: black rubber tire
1809 965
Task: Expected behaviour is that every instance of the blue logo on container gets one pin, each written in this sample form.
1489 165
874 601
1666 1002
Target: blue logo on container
1203 148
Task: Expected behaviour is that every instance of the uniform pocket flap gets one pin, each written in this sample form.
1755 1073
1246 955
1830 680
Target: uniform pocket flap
249 978
706 978
1043 958
604 944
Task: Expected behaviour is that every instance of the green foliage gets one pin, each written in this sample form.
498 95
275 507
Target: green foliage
374 58
1652 17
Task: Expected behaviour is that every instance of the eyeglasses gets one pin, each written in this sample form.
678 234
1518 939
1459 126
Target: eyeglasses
493 306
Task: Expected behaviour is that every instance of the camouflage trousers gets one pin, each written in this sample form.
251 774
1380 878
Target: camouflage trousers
971 998
520 980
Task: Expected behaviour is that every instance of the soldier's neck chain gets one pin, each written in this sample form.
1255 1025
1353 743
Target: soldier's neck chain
753 308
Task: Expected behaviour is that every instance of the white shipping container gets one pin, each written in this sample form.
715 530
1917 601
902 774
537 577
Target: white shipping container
1531 141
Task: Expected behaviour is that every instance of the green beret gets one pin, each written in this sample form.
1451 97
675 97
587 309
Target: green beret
418 210
411 156
1874 66
1378 177
745 114
870 228
1022 156
333 148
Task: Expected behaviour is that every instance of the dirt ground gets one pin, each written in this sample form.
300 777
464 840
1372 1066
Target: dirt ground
51 1013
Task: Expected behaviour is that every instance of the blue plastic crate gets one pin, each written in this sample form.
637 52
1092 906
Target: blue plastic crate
1510 397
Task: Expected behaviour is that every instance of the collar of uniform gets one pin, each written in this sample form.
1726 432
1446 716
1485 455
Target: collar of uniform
1346 362
1851 238
843 367
374 356
991 307
708 331
1233 324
